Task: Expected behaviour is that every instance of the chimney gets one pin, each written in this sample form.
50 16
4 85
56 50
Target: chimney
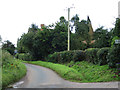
42 26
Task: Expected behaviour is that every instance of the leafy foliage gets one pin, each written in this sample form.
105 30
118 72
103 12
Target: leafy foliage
91 55
102 38
76 42
116 31
66 56
24 56
102 56
12 69
114 56
41 43
113 41
7 45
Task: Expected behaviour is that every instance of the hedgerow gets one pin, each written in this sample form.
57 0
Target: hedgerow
24 56
66 56
102 56
91 55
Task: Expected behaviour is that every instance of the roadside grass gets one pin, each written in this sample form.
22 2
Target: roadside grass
12 69
95 73
81 71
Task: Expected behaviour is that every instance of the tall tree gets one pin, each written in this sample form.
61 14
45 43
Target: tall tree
41 43
20 47
116 31
75 19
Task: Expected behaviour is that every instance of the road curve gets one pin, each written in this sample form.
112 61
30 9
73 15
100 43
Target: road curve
41 77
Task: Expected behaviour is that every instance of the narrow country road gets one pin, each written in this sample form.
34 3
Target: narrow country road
41 77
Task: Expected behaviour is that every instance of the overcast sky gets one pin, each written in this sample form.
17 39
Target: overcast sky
16 16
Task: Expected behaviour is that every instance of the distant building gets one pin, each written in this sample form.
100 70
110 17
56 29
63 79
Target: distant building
119 9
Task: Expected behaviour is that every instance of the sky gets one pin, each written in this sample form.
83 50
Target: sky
16 16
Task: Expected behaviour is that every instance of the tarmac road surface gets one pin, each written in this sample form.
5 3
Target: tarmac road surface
41 77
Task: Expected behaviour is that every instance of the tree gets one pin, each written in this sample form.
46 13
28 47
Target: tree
76 42
59 41
33 28
113 55
7 45
81 27
62 20
75 19
20 47
116 31
102 38
61 26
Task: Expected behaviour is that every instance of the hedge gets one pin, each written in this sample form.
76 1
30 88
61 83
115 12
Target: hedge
66 56
102 56
91 55
113 56
24 56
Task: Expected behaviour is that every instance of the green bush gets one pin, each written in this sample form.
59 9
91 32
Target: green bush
113 40
102 56
24 56
6 57
66 56
113 56
91 55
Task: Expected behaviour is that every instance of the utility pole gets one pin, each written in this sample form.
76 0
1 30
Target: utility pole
68 29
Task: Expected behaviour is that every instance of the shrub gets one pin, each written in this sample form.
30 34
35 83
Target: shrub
24 56
91 55
6 57
113 56
102 56
66 56
53 57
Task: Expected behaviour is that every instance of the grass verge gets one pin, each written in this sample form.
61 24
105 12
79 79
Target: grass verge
95 73
81 71
12 69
